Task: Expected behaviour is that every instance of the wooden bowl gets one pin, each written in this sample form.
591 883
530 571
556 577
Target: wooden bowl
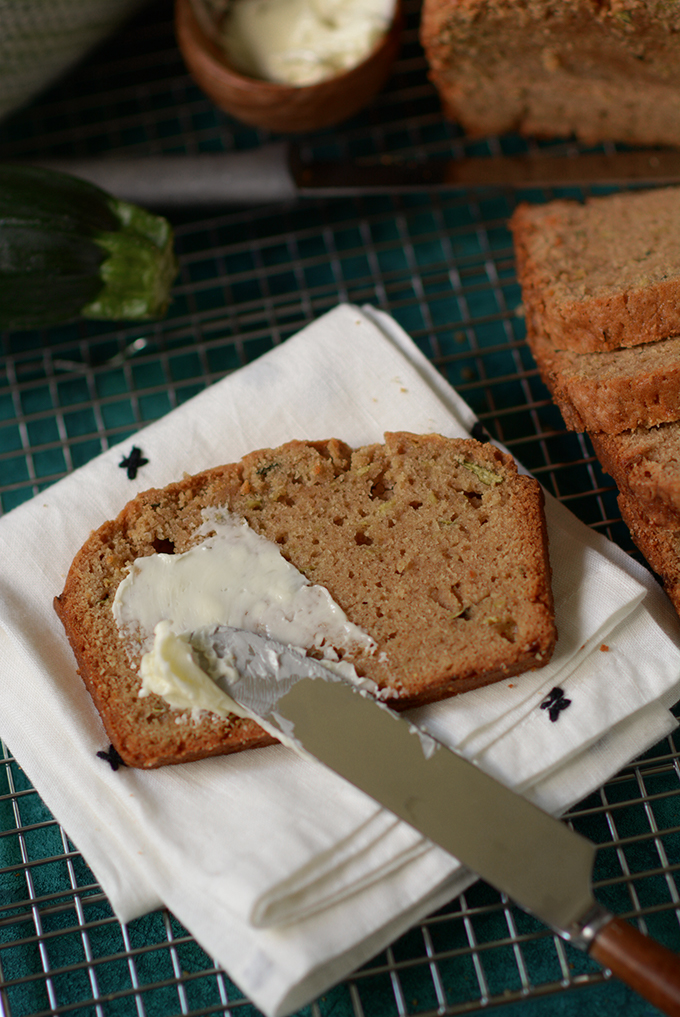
283 108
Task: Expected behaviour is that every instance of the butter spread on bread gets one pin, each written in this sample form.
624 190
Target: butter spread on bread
233 577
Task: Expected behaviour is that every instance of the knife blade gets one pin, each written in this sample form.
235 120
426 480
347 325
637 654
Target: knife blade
276 172
538 861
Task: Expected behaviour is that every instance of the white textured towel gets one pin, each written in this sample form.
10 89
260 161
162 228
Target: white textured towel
286 875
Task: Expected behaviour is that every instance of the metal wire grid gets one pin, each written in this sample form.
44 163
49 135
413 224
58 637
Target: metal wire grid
478 952
443 266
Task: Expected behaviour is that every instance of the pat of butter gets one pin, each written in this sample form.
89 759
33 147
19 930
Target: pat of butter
233 577
170 670
301 42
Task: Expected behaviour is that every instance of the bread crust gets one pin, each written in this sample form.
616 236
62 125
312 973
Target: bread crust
444 564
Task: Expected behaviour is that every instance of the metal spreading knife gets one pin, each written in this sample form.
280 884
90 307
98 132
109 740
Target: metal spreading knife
538 861
275 172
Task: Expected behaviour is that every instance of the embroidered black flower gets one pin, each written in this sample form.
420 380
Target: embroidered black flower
112 758
133 462
555 702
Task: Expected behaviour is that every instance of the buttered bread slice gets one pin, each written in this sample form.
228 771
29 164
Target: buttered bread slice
434 552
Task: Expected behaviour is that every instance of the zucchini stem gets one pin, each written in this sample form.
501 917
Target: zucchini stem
139 268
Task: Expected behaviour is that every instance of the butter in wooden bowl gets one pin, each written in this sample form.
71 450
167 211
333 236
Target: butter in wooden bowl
289 66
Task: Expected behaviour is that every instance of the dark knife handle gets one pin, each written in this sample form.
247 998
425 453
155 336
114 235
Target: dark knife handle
649 968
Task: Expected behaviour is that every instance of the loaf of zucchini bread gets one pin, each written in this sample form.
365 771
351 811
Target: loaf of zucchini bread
602 70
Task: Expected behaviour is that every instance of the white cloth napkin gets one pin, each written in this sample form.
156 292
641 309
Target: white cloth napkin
286 875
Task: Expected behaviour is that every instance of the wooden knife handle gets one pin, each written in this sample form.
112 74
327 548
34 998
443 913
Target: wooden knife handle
649 968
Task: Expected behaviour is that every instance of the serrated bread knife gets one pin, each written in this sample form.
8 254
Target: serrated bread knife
538 861
276 172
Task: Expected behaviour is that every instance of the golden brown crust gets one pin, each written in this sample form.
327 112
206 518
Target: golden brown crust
436 547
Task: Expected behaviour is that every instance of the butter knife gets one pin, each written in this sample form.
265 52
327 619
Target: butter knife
536 860
276 172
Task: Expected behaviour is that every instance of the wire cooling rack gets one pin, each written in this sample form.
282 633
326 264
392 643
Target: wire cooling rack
442 265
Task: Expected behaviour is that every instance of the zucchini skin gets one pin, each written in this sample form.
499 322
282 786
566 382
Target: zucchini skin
68 250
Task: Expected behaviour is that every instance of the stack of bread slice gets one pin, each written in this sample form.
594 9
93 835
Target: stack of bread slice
601 292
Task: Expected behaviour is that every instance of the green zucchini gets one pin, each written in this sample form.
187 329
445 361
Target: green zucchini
68 250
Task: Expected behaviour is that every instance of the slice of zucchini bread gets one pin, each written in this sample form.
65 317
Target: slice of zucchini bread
601 274
435 547
614 391
645 465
